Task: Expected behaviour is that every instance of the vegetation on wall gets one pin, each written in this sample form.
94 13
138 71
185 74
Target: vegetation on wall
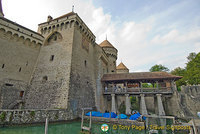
3 116
122 108
134 103
32 113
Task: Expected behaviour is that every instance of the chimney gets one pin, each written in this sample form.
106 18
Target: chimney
1 10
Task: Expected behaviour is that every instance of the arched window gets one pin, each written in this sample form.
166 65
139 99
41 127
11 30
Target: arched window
55 37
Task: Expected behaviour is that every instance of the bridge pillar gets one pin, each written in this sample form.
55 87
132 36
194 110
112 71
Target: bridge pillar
128 104
143 108
161 110
113 108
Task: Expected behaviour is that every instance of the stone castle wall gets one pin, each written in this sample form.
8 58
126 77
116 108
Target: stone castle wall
18 55
12 94
30 116
19 51
63 59
82 77
50 82
101 62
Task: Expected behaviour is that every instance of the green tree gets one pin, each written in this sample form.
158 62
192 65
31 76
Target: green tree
192 75
179 72
158 68
191 56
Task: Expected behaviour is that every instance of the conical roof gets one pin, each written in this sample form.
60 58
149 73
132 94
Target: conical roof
121 66
107 44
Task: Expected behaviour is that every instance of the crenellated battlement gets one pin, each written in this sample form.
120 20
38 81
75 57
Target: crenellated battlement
70 20
111 52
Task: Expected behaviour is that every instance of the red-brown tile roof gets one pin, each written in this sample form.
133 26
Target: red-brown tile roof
107 44
121 66
140 76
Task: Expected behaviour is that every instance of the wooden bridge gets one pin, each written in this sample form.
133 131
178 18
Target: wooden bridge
138 91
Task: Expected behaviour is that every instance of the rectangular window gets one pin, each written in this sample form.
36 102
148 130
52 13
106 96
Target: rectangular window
52 58
21 93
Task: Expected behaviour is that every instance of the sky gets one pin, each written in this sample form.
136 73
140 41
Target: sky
145 32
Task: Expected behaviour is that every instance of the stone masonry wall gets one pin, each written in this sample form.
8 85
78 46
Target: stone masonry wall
16 117
82 77
17 57
50 82
12 94
101 62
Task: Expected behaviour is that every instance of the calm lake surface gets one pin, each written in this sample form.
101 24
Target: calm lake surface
64 128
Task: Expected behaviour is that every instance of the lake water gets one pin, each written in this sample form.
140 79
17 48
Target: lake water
66 128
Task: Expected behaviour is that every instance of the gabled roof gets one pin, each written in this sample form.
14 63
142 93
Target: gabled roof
107 44
139 76
121 66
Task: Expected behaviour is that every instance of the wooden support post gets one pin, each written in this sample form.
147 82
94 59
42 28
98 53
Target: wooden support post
82 119
90 126
126 87
141 86
113 87
46 126
157 85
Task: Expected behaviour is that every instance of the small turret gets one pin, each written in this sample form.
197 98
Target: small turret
49 18
111 52
1 10
121 68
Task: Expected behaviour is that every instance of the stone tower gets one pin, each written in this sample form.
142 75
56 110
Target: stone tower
64 76
111 52
121 68
1 9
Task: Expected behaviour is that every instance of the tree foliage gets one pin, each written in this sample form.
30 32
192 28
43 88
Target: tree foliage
158 68
179 72
191 56
193 70
191 73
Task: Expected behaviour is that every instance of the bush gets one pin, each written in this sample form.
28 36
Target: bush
3 116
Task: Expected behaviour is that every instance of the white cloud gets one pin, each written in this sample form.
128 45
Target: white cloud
137 47
175 36
197 47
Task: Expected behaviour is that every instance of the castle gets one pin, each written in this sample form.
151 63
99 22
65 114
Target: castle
62 67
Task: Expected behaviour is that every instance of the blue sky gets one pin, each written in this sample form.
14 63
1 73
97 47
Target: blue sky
145 32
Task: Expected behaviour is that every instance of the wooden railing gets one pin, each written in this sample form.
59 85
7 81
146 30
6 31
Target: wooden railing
160 90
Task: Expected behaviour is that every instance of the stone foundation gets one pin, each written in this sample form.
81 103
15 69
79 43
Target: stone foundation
18 117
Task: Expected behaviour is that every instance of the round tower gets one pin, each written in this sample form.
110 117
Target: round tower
121 68
111 52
